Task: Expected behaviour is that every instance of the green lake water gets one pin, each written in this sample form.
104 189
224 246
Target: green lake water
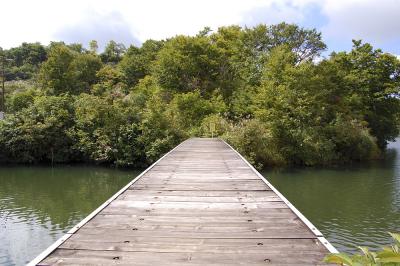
354 205
39 204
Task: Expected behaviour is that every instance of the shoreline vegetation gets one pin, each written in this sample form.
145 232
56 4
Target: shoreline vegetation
389 256
266 90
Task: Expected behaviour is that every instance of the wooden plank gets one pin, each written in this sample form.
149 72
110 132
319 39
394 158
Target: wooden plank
196 206
200 205
202 182
182 198
201 193
105 257
200 186
283 231
199 179
179 245
183 222
172 219
202 227
264 214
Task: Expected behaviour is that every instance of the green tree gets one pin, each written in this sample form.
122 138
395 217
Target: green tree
20 100
113 53
76 47
84 70
233 60
296 105
186 64
95 118
373 78
107 131
54 73
304 43
259 86
93 46
189 109
24 61
159 132
68 71
39 132
109 82
138 62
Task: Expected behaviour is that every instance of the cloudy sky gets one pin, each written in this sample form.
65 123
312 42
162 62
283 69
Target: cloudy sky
375 21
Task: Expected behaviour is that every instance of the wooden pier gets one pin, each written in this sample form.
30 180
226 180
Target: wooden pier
200 204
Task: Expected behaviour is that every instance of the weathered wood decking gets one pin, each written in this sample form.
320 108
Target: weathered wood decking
201 204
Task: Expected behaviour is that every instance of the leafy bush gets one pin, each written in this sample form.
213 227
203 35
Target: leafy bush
220 124
388 256
255 141
39 132
258 86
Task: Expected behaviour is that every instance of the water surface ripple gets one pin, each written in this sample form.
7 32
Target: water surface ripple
39 204
352 206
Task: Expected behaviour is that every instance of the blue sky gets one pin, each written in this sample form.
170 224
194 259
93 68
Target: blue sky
340 21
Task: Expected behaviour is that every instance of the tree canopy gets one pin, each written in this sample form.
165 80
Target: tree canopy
266 89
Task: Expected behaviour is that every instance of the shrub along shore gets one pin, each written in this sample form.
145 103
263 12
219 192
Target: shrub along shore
266 89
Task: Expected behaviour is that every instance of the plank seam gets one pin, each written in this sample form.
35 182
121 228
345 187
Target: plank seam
62 239
217 238
313 229
175 251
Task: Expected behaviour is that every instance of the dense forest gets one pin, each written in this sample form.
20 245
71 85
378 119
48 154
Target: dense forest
266 89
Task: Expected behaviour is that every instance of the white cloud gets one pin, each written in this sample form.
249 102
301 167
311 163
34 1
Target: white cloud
273 12
34 20
99 27
47 20
162 19
44 20
377 21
